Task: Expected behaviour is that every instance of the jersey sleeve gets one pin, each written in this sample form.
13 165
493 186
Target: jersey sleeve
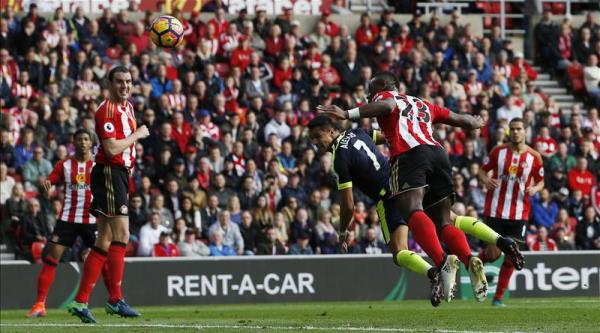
341 166
538 169
105 122
57 174
491 161
383 95
438 113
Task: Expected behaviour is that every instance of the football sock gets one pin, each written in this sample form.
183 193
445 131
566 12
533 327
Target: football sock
457 243
477 229
116 266
412 261
91 271
46 278
423 231
106 278
504 278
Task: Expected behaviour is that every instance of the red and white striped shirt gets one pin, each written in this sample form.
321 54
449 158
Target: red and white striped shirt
410 123
75 176
118 122
177 101
515 173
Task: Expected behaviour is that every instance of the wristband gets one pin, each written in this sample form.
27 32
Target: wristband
353 114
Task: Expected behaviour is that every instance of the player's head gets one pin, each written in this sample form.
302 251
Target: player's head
382 81
83 141
516 130
119 83
322 131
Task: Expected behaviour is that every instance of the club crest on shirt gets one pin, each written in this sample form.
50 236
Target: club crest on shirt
80 178
513 169
109 127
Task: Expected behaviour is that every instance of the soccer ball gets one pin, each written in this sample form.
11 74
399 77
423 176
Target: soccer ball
166 31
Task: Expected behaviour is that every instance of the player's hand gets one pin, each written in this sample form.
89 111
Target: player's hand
532 190
142 132
490 183
479 122
344 236
333 111
46 185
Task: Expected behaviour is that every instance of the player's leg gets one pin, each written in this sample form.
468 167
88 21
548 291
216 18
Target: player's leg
515 229
45 278
481 231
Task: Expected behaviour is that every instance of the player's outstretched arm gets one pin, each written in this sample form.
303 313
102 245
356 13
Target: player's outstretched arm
375 109
465 121
113 147
346 213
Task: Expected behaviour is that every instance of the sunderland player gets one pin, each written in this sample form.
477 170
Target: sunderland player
517 172
75 219
358 162
421 174
117 130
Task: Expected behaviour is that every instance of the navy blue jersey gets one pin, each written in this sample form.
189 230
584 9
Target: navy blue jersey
356 161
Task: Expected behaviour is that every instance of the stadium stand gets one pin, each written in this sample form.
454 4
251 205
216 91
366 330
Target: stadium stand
228 168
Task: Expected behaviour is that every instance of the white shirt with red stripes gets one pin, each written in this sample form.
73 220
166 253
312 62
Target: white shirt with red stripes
410 124
116 121
75 176
516 172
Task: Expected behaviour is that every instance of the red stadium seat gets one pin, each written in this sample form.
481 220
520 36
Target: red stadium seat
36 251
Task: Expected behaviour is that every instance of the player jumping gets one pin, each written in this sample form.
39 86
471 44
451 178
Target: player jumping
421 174
116 128
517 172
75 219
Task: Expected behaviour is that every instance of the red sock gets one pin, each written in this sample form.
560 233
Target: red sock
116 266
46 278
457 243
91 271
423 231
504 278
106 277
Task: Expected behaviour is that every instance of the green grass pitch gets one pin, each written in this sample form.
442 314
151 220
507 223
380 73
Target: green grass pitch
522 315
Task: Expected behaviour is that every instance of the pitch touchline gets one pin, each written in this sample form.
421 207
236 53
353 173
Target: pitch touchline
250 327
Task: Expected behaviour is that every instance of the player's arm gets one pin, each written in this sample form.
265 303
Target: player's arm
378 138
113 147
382 107
538 176
445 116
488 164
55 177
346 208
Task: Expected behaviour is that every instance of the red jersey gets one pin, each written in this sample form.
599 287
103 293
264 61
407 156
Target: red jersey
581 181
117 122
75 176
515 173
410 123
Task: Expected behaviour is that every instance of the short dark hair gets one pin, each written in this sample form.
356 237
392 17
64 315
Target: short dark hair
516 120
117 69
388 79
322 122
83 131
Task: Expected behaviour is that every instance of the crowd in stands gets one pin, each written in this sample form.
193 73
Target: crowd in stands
228 168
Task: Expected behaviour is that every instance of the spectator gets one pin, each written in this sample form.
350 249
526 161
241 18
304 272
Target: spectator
580 178
166 217
542 242
7 183
372 245
301 246
271 245
229 232
250 233
255 86
216 247
165 247
278 126
587 235
545 210
366 32
562 241
137 216
34 225
591 75
37 169
150 235
192 247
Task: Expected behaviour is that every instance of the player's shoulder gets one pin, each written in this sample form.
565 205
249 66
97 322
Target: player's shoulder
499 148
535 154
385 94
106 109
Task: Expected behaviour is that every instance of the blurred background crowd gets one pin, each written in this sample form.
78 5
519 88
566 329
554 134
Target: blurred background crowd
228 168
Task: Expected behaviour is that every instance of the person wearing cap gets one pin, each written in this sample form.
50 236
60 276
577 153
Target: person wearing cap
165 246
331 28
417 27
520 65
192 247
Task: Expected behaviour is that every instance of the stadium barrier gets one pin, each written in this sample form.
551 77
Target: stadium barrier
171 281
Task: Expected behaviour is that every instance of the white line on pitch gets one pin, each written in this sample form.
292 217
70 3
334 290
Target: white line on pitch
254 327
